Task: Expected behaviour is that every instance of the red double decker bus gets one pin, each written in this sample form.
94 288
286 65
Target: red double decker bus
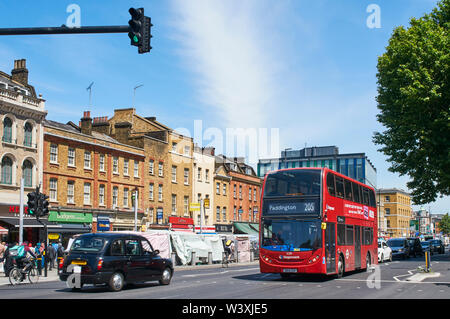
316 221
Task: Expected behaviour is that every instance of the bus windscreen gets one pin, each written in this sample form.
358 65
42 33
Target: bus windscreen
293 183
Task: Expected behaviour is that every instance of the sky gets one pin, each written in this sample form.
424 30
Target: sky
291 72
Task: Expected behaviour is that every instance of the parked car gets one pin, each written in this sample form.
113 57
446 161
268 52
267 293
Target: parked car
400 247
114 259
416 247
437 246
426 246
384 251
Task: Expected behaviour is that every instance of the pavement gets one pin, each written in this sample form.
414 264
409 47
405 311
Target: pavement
53 274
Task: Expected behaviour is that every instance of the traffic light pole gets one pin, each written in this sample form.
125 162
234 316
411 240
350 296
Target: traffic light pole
65 30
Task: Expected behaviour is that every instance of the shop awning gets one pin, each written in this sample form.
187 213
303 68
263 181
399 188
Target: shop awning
70 228
3 231
27 222
245 228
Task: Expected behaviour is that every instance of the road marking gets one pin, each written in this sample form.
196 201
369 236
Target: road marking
409 274
398 281
221 272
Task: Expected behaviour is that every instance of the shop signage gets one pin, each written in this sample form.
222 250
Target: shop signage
69 217
103 224
220 228
194 207
53 236
181 220
206 203
159 213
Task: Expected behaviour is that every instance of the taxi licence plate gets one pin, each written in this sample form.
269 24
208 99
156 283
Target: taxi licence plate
289 270
79 262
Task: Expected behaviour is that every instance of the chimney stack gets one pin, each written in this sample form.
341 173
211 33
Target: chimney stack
20 72
86 123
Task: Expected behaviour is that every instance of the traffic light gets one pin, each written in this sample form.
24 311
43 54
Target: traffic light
136 24
32 203
140 30
43 205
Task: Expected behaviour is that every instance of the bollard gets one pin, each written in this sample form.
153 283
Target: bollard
427 261
209 257
251 255
193 258
174 259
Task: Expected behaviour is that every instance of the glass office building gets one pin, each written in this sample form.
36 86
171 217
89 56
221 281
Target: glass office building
355 165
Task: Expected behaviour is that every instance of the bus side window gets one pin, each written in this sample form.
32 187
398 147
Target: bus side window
339 187
330 184
372 201
356 196
341 234
349 235
365 193
348 190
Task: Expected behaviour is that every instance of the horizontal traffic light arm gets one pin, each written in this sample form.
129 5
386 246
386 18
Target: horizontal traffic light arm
65 30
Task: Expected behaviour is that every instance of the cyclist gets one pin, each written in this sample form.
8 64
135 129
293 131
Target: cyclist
25 262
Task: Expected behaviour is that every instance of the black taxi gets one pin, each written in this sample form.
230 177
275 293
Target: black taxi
114 259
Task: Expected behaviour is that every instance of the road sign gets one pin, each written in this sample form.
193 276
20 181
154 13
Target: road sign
206 203
194 207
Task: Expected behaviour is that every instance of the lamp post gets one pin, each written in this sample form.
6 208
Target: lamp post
285 156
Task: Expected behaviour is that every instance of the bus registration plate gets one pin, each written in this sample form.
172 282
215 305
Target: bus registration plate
289 270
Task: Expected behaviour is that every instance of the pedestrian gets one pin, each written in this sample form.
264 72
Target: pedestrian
2 252
41 250
8 264
60 252
51 255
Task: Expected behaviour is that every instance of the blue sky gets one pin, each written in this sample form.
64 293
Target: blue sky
307 68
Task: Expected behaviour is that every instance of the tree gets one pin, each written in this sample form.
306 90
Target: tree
444 224
414 102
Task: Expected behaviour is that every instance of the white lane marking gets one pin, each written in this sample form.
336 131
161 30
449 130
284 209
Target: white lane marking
221 272
409 274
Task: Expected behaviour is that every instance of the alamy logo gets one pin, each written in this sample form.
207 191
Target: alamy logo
74 280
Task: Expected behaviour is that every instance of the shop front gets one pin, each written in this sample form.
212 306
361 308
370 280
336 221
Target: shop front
67 224
181 224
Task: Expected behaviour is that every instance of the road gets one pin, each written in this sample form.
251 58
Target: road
246 282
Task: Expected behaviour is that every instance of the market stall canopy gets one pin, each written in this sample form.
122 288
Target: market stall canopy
246 228
3 231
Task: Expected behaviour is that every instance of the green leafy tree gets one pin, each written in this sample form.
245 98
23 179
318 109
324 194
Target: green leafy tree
444 224
414 103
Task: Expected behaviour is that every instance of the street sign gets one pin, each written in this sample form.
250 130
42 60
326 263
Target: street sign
194 207
53 236
206 203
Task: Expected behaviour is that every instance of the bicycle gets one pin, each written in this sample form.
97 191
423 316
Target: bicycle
18 275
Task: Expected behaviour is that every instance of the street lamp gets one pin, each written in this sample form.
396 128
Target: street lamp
285 156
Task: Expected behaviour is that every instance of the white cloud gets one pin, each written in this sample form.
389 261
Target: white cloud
223 44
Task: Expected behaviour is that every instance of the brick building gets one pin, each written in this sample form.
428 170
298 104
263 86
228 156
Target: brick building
397 211
244 189
90 177
21 116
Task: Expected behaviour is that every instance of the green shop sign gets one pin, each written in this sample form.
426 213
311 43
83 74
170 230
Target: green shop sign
69 217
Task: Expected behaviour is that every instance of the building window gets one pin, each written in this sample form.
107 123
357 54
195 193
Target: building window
234 213
87 193
101 195
240 191
53 153
186 206
224 191
387 211
250 214
250 194
160 193
224 214
102 163
254 195
151 191
53 189
28 135
387 199
70 192
151 167
174 174
187 150
71 157
125 167
115 165
186 176
234 191
218 188
87 160
199 176
218 213
136 169
27 173
174 204
115 195
161 169
7 130
125 197
207 175
174 147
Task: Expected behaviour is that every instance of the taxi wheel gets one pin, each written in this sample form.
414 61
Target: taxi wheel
116 282
166 276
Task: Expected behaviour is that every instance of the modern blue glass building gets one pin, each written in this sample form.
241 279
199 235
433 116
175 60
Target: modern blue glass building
355 165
